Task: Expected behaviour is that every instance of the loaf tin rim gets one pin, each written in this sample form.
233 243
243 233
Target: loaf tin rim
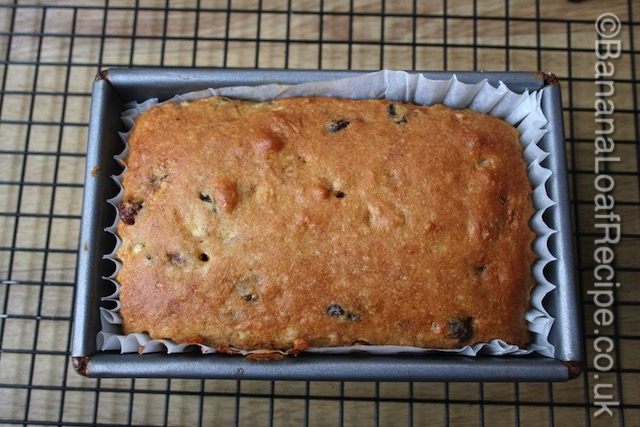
116 86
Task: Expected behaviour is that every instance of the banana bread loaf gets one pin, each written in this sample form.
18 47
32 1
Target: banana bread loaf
324 222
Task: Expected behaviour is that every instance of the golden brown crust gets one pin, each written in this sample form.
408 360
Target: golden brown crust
324 222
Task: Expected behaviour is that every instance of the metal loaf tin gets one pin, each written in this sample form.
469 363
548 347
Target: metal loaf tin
115 87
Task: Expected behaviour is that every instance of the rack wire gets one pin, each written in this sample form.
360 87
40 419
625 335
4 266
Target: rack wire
49 55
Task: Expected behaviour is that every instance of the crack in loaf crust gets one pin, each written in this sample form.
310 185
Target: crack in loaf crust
324 222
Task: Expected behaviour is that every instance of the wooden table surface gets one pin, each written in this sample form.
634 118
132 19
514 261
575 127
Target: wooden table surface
50 53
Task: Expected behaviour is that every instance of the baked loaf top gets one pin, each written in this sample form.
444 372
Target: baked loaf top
324 222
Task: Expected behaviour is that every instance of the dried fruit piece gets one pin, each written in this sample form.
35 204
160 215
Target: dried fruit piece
320 191
397 118
250 298
128 210
205 197
225 194
461 329
247 286
336 310
337 125
268 143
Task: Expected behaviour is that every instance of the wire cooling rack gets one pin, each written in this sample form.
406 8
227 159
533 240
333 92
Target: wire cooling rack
49 55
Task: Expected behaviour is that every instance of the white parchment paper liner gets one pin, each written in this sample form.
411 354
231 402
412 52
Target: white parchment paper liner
520 110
